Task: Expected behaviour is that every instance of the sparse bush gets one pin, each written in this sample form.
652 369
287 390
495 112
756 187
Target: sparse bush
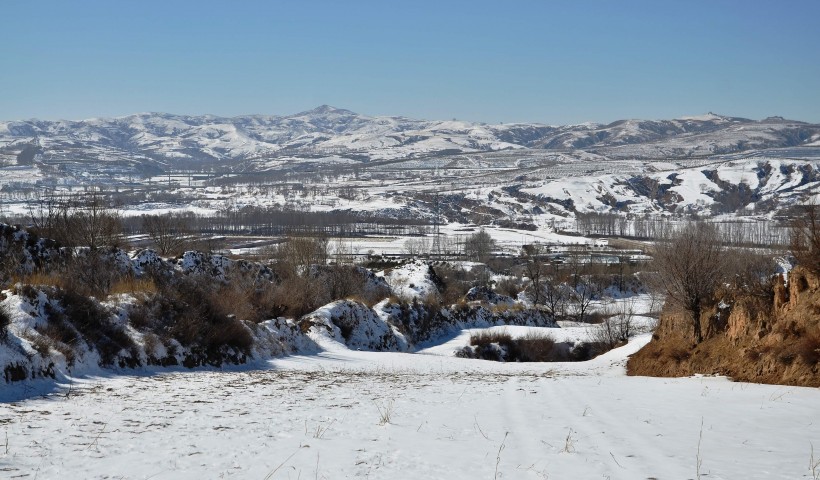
93 271
456 282
84 220
93 322
808 347
509 286
690 268
194 312
5 321
616 327
133 286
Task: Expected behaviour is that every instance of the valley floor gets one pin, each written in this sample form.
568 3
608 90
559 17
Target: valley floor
325 416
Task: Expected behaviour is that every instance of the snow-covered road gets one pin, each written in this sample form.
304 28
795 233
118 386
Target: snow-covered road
323 417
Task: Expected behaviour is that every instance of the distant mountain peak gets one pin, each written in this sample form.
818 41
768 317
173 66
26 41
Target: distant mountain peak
328 109
708 116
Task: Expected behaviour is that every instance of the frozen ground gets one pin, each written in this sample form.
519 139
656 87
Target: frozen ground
323 416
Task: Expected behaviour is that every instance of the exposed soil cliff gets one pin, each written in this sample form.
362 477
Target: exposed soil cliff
765 340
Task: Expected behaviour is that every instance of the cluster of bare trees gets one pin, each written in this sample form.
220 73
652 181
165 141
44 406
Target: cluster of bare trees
562 289
77 221
170 234
282 220
738 232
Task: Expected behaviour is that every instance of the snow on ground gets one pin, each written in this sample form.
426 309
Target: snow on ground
326 416
411 280
570 332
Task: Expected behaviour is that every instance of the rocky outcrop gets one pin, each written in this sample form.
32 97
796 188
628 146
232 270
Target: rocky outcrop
765 340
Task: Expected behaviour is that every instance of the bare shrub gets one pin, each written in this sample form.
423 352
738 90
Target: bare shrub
298 295
615 330
93 322
535 347
456 282
583 285
808 347
509 286
5 321
133 286
202 316
92 272
493 345
502 347
12 257
83 220
60 336
93 224
196 312
298 253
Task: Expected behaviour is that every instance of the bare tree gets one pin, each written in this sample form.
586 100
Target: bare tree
297 254
479 246
170 234
96 225
536 272
555 296
691 265
583 286
805 237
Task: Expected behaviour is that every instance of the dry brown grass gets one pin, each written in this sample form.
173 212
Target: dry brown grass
132 285
41 278
502 308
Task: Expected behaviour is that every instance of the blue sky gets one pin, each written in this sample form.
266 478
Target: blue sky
543 61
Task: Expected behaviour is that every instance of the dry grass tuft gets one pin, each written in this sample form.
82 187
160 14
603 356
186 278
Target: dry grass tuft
131 285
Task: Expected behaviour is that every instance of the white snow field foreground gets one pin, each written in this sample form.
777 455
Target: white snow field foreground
348 414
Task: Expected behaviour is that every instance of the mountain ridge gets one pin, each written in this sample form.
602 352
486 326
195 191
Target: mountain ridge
154 141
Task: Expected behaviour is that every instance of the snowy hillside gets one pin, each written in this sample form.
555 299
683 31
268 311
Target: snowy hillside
159 140
511 174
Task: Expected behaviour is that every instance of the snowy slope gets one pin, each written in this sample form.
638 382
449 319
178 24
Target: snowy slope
326 416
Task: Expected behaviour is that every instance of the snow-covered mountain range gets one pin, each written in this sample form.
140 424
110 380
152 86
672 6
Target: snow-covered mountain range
158 140
710 164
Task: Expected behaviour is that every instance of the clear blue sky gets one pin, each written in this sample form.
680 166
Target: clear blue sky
546 61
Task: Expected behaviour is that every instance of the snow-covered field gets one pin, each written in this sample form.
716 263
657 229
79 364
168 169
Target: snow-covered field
350 414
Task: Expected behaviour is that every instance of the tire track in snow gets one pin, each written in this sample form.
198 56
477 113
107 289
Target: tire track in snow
523 455
601 429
